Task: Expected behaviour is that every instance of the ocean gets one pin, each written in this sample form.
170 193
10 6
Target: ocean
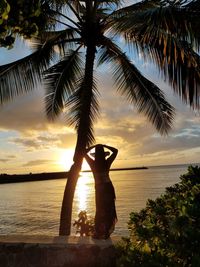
33 208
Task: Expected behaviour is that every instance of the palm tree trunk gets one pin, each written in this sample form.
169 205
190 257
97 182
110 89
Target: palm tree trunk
82 141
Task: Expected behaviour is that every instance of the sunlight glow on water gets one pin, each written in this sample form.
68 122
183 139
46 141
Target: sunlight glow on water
82 189
34 207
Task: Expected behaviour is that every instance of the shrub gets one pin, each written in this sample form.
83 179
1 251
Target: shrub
84 226
167 231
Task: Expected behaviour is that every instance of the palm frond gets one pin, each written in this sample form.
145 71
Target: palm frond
167 33
77 8
109 4
61 81
63 40
48 15
23 75
179 64
135 8
142 18
138 90
83 111
56 4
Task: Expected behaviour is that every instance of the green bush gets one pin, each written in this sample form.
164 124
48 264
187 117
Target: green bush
21 17
167 231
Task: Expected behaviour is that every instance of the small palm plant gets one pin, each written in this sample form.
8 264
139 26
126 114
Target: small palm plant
86 32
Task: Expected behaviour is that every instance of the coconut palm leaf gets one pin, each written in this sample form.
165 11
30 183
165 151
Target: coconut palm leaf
62 40
56 35
135 8
56 4
108 4
147 97
23 75
180 65
165 34
142 18
83 111
61 81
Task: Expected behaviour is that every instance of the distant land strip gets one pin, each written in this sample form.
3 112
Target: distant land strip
18 178
123 169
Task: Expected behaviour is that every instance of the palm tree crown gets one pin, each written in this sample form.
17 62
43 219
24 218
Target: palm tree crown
150 26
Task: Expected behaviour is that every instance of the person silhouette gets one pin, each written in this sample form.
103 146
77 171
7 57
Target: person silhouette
106 216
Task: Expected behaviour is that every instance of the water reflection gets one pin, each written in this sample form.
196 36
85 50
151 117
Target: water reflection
34 207
83 188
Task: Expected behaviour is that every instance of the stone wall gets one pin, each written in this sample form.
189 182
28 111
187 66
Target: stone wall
34 251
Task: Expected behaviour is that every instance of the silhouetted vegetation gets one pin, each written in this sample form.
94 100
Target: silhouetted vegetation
167 231
24 17
84 226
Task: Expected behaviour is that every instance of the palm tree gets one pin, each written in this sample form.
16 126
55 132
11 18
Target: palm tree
165 33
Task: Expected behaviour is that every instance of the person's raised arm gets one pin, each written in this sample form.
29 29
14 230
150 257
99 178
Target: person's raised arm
113 155
87 156
89 148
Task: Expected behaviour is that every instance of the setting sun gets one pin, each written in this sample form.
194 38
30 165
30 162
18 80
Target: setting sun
66 160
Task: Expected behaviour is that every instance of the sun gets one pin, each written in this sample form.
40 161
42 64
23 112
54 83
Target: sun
66 160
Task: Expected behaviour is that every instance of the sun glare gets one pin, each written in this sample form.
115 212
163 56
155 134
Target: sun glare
85 166
66 160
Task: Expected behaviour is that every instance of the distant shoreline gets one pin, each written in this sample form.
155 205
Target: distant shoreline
124 169
31 177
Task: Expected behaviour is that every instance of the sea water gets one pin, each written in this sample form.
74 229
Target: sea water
33 208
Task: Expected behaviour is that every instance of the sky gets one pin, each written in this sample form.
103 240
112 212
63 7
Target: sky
30 143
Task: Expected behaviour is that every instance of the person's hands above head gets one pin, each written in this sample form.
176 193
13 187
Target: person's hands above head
90 148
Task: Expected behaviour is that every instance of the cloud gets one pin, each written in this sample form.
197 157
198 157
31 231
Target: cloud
4 160
38 162
11 156
33 144
7 158
37 141
47 139
27 114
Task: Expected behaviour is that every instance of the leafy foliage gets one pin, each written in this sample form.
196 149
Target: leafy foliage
167 231
84 226
24 17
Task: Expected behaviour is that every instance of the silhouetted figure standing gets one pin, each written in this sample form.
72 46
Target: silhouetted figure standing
100 162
